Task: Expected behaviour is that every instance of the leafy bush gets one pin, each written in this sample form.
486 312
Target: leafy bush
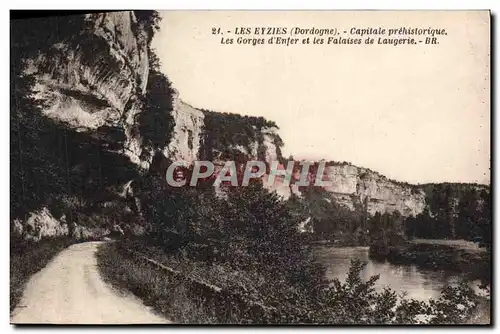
150 20
248 229
330 220
155 121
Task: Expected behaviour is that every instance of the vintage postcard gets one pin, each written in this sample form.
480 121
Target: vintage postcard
250 167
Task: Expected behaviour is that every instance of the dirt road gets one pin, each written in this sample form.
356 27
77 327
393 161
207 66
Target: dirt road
70 291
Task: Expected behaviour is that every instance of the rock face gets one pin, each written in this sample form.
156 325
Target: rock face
187 134
85 87
90 76
96 80
350 182
42 224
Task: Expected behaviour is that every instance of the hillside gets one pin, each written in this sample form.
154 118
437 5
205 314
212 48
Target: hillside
93 99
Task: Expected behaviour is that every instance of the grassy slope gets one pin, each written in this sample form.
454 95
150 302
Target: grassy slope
199 293
165 294
27 258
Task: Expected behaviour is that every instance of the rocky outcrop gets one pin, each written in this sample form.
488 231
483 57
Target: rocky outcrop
96 78
361 189
94 83
187 133
349 183
41 224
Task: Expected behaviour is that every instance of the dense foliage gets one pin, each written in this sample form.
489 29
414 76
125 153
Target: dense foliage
454 212
155 121
250 229
149 20
239 130
329 220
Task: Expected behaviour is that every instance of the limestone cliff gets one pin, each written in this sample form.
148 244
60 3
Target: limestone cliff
95 79
187 134
359 188
90 78
84 78
379 193
220 137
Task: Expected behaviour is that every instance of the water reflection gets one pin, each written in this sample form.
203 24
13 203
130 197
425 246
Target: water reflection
420 284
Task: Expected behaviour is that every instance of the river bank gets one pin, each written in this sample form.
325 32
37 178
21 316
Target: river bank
438 255
409 279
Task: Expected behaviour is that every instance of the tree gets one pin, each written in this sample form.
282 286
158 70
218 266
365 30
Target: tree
484 218
150 19
156 122
467 214
356 301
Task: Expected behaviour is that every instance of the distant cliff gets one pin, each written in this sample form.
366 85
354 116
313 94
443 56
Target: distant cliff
349 183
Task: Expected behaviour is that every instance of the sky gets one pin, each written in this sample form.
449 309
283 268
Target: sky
417 113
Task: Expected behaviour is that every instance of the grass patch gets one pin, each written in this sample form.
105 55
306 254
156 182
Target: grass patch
27 258
189 291
169 295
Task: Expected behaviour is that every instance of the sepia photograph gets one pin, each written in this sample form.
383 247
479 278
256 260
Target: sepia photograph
240 167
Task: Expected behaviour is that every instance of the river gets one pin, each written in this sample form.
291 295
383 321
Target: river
420 284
